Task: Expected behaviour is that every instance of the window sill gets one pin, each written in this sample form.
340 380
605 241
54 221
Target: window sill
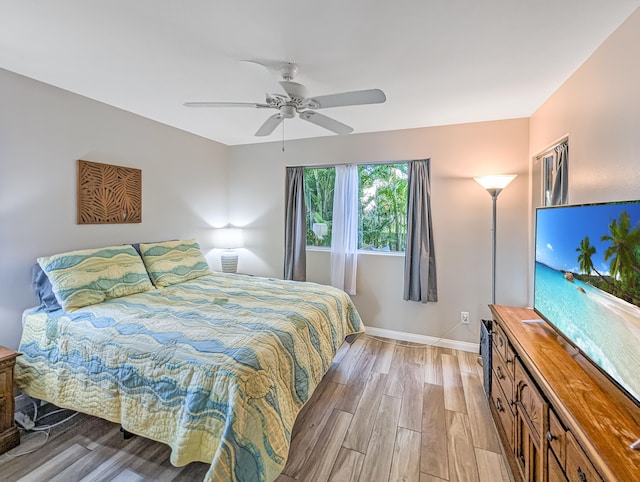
365 252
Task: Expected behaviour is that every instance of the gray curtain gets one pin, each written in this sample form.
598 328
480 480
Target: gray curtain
420 260
295 235
559 190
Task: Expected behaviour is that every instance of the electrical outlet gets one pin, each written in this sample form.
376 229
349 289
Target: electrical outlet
464 317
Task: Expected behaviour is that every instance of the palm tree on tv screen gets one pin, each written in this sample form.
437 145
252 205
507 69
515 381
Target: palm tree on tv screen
623 250
586 250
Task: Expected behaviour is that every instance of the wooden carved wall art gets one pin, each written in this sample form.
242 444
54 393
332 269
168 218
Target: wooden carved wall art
108 194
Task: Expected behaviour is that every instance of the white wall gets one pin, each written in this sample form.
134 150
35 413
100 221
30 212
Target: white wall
461 212
43 131
599 108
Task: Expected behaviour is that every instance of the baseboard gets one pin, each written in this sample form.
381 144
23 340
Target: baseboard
423 339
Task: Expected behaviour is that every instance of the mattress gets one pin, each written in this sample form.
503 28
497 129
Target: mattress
217 367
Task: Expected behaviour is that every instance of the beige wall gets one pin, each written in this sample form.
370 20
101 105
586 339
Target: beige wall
599 108
43 131
461 214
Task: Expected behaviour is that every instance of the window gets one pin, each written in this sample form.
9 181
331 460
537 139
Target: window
382 207
554 163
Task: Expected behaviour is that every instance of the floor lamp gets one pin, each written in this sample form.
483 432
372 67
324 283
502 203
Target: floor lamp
494 186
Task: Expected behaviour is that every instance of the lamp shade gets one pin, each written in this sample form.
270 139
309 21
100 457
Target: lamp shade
496 181
228 238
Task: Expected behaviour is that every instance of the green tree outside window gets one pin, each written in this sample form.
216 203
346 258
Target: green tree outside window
382 208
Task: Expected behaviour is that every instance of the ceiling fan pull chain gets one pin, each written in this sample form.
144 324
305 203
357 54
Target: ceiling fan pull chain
282 135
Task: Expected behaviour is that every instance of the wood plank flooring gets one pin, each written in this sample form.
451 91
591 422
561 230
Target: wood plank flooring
386 411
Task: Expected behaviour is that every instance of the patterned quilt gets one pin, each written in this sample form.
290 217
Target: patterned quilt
217 367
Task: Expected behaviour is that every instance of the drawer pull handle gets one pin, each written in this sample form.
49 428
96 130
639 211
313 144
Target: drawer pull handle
508 360
500 374
551 437
582 475
500 341
499 405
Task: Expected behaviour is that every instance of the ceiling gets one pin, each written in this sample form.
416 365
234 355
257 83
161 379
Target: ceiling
439 62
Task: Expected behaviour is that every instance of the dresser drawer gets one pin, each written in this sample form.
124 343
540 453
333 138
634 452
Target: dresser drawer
504 349
579 467
503 376
554 471
557 437
501 404
510 361
530 402
500 341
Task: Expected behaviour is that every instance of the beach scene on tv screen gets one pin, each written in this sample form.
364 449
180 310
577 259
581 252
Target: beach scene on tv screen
587 283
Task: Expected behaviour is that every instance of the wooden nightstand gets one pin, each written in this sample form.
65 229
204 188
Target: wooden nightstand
9 436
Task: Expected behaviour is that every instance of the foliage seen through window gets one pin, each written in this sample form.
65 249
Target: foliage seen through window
382 207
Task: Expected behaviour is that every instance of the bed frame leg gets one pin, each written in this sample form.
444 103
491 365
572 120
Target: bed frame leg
125 435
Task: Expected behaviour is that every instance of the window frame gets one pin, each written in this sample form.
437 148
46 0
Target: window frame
314 248
548 171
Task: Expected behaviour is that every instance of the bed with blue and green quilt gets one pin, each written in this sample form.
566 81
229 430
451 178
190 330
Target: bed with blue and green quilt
217 366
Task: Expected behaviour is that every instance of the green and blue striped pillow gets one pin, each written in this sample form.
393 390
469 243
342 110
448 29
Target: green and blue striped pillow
89 276
173 262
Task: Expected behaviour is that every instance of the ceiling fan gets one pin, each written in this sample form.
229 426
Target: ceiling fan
295 100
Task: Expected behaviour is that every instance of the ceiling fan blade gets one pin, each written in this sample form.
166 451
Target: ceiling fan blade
357 97
269 125
226 104
294 89
326 122
272 69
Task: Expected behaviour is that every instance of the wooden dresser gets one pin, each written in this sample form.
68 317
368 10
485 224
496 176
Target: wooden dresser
9 436
559 418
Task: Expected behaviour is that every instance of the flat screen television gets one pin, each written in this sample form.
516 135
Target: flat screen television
587 284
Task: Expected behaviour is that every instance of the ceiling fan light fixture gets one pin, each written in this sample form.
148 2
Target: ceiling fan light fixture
288 111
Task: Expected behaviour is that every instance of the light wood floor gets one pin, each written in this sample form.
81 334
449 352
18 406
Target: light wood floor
386 411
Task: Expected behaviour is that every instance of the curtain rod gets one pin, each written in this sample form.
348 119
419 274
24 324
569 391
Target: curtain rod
320 166
564 139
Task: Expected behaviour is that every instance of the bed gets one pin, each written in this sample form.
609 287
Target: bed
217 367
